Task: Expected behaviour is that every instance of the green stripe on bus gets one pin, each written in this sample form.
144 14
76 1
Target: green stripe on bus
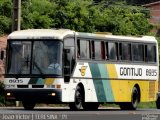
106 83
33 81
40 81
100 93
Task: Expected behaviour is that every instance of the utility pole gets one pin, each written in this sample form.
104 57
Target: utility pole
16 21
16 18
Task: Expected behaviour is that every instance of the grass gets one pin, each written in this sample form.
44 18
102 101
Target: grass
141 105
147 105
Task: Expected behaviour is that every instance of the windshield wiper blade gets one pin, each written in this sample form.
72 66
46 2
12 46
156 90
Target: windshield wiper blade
41 73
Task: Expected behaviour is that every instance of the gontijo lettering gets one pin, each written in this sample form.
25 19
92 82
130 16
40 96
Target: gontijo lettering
127 71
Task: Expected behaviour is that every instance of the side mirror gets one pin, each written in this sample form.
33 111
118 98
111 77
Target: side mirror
2 55
67 50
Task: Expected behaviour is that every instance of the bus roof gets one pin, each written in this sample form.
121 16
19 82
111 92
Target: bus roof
40 33
61 33
117 37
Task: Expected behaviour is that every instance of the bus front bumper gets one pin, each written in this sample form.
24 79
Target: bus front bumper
37 95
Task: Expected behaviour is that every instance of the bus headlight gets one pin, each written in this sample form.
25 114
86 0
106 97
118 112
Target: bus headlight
8 94
53 94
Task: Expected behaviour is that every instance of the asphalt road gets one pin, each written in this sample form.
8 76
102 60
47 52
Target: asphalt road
60 113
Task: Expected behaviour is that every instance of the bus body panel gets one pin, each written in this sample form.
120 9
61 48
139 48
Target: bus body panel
114 83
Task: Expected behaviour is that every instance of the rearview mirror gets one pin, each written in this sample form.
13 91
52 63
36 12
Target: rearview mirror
2 55
67 50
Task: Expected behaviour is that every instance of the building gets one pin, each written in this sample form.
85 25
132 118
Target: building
3 42
154 8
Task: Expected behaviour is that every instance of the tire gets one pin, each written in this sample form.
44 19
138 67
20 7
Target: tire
158 103
28 105
79 100
135 98
91 105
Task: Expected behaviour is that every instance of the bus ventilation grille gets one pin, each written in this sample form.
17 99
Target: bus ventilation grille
152 89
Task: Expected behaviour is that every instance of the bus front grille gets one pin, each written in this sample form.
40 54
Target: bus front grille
30 86
22 86
37 86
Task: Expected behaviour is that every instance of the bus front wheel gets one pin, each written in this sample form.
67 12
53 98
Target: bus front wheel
79 99
91 105
134 101
28 105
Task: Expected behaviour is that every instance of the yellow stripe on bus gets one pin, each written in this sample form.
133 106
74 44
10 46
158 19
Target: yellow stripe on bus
114 83
49 81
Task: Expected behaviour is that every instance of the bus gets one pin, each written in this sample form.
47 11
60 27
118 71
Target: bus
84 70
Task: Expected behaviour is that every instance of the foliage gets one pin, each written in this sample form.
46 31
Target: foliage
79 15
5 16
36 14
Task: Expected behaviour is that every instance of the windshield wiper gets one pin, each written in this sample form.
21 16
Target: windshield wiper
41 73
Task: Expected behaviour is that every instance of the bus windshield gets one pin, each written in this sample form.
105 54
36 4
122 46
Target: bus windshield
34 58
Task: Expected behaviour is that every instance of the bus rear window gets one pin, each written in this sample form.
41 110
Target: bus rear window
150 53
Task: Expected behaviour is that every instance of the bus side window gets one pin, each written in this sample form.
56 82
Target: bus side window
137 52
98 50
126 51
150 54
112 50
84 49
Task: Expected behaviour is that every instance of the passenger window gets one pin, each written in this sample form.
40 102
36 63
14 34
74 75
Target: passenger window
124 51
112 50
83 49
98 50
137 52
150 54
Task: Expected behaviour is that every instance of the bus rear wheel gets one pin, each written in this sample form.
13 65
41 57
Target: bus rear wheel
158 103
28 105
134 101
79 100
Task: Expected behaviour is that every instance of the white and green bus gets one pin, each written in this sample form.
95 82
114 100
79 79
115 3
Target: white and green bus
82 69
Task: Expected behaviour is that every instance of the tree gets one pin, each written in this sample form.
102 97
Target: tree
74 14
80 15
37 14
5 16
123 19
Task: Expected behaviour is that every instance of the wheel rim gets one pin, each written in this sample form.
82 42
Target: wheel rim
135 98
78 99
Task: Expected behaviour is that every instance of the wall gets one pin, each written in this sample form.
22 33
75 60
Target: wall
3 42
154 12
